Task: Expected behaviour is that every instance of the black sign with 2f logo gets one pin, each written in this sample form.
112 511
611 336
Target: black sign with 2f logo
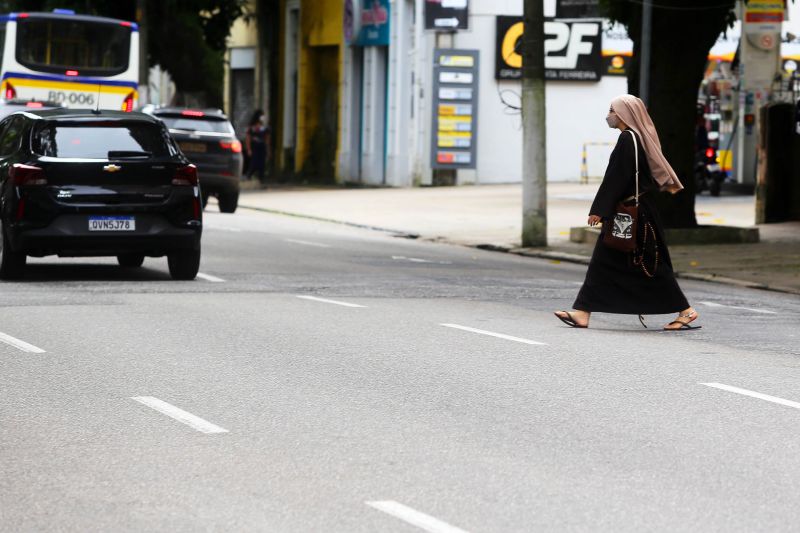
573 50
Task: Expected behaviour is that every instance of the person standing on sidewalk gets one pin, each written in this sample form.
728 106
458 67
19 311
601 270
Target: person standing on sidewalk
257 145
618 282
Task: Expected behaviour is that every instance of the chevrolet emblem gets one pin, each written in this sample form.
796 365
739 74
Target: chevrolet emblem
112 168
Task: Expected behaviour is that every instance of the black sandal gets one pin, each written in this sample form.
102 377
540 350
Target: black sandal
568 320
685 326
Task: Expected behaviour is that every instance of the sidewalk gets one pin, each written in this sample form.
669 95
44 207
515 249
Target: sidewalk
490 216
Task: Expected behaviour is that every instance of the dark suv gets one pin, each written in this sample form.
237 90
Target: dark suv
208 139
96 183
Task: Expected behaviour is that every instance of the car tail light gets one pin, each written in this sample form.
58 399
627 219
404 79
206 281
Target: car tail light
34 104
710 153
233 146
186 175
71 73
21 208
26 175
198 208
10 92
192 113
127 104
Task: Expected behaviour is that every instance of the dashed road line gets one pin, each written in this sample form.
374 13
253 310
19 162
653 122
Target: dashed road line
195 422
715 304
307 243
493 334
325 300
414 517
209 277
418 260
19 344
753 394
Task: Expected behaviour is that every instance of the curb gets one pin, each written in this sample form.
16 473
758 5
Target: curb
530 252
710 278
394 232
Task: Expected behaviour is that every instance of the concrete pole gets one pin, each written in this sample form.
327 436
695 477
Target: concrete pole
646 43
534 163
144 67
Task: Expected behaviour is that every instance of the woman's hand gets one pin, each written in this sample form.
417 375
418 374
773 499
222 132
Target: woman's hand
594 220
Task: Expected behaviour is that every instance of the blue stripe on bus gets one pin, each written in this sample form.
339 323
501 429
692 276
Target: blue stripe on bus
77 79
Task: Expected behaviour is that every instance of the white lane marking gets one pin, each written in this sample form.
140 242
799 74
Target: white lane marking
417 260
307 243
753 394
20 345
414 517
180 415
225 228
493 334
325 300
714 304
209 277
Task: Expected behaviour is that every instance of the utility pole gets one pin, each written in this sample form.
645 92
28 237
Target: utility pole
144 67
534 162
646 43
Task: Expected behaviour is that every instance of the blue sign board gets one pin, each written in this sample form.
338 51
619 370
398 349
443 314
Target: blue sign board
374 18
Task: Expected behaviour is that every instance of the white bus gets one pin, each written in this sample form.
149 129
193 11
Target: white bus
75 60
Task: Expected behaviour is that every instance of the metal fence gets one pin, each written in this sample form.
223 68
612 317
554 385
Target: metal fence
584 166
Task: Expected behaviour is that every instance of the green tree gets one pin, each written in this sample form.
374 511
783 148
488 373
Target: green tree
683 33
185 37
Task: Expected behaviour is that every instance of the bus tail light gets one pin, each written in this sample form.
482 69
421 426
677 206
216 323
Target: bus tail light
233 146
186 175
127 104
26 175
10 91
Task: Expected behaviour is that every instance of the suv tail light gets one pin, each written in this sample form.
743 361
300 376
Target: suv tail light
186 175
233 146
710 153
127 104
20 174
10 91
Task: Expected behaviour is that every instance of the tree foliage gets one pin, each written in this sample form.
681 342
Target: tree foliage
187 38
683 32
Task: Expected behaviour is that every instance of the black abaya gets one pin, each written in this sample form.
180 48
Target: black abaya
614 284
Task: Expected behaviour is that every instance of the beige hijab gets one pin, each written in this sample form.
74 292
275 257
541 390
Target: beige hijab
632 112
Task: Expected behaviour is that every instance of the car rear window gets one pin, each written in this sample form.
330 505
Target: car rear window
201 124
96 140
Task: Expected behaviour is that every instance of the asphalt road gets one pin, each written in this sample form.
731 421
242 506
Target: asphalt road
326 378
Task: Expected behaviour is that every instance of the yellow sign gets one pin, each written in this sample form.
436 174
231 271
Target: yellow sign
457 61
508 48
455 124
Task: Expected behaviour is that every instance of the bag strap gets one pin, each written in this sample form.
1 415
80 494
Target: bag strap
636 157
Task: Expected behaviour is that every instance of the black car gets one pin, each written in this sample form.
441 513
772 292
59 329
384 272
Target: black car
17 104
208 139
96 183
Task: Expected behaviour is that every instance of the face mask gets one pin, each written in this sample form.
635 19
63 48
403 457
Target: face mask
612 120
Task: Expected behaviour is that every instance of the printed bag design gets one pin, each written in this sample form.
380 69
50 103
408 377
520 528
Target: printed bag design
623 226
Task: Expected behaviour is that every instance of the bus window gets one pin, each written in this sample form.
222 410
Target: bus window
92 48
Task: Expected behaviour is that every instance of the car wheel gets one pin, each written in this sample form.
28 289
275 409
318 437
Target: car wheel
130 260
12 264
184 264
228 202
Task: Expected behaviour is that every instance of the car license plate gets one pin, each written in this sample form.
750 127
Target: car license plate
193 147
713 168
112 224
